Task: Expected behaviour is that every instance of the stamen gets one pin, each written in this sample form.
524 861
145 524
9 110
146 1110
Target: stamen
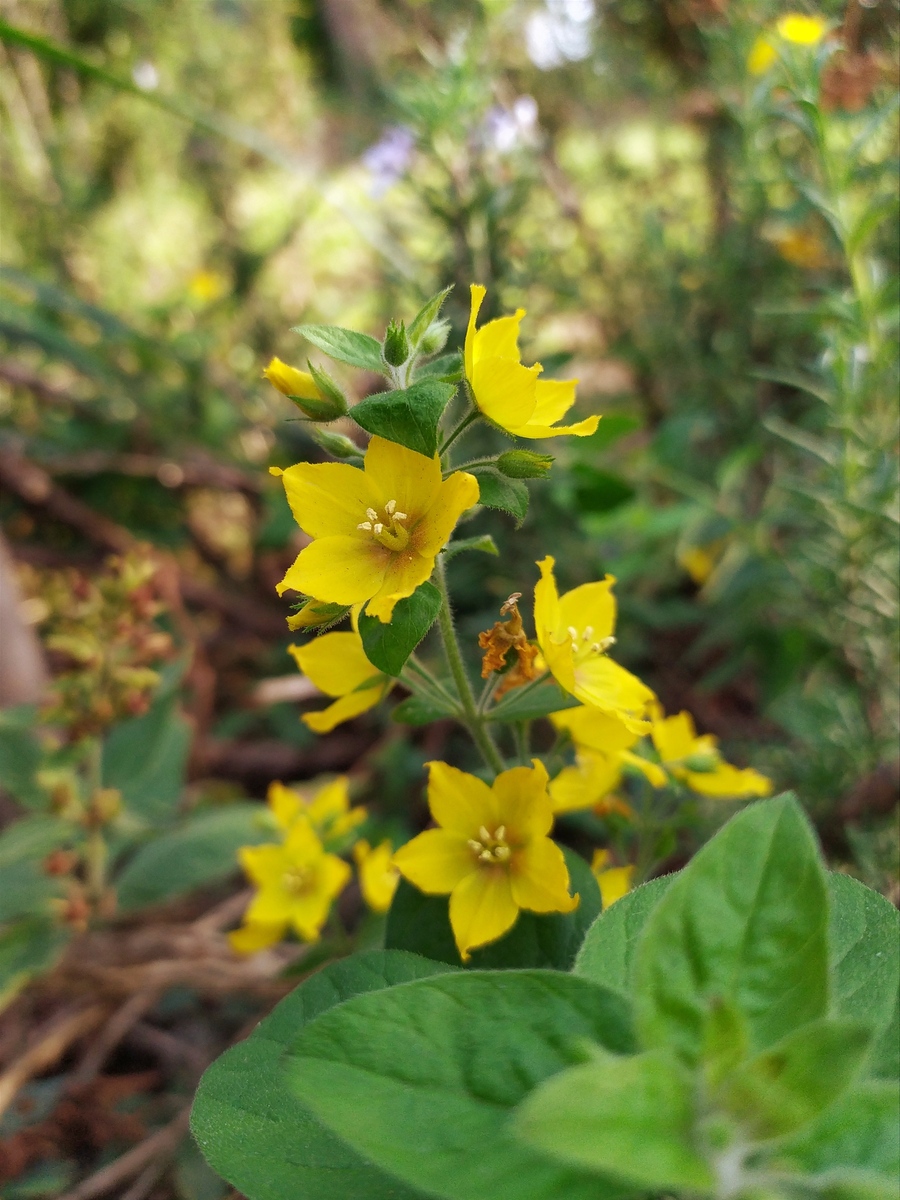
371 514
377 527
501 833
365 525
502 853
399 516
606 642
476 846
390 506
588 633
573 633
486 856
483 834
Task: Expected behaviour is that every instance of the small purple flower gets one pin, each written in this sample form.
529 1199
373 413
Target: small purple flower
389 158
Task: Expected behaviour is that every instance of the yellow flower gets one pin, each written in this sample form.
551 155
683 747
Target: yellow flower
377 531
574 632
508 393
297 883
697 762
378 877
291 382
603 746
336 663
490 852
326 808
797 28
614 882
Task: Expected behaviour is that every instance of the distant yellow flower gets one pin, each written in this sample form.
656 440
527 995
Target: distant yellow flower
574 632
615 882
490 852
698 562
376 531
603 746
336 663
802 248
291 382
508 393
378 877
297 883
326 808
696 761
207 286
797 28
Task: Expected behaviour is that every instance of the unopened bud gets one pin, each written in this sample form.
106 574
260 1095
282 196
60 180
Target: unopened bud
435 338
60 862
337 444
105 806
316 613
316 394
524 464
396 344
701 763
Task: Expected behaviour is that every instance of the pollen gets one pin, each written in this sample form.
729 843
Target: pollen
387 528
491 848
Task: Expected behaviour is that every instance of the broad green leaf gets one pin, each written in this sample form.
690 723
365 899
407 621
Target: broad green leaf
146 759
746 921
854 1146
421 710
483 542
421 924
26 949
409 417
345 345
203 850
422 1078
20 757
791 1083
32 838
252 1128
527 705
629 1117
496 491
389 644
864 939
607 953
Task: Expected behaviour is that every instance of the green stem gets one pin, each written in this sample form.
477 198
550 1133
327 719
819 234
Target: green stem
420 680
95 847
464 424
472 719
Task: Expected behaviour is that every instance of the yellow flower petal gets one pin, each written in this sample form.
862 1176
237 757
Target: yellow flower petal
499 338
262 863
504 391
328 498
729 781
459 802
801 29
580 429
762 55
250 939
343 709
285 804
403 574
553 399
309 910
290 381
585 784
591 729
335 662
436 861
652 772
521 802
343 570
477 294
540 878
270 906
614 884
602 682
329 802
674 737
481 909
457 493
590 606
395 473
378 877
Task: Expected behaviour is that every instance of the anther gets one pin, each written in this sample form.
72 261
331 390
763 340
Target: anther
573 633
500 834
483 834
365 525
588 633
371 514
476 846
377 527
486 856
390 506
399 516
502 853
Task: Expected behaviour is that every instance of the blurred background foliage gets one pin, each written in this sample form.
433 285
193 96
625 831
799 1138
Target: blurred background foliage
712 252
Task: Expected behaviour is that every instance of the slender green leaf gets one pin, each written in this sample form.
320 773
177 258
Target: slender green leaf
409 417
20 758
345 345
523 704
629 1117
26 949
428 313
389 644
422 1078
422 710
248 1122
483 542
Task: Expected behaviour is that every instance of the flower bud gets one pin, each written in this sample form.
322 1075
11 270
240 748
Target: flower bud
701 763
316 395
316 613
524 464
435 338
396 345
337 444
105 806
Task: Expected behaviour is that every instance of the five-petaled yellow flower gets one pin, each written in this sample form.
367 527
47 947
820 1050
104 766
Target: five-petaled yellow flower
297 883
336 663
574 632
603 746
376 531
327 808
696 761
798 28
509 393
491 852
378 877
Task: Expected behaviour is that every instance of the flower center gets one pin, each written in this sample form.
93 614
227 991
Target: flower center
296 880
387 529
491 848
585 645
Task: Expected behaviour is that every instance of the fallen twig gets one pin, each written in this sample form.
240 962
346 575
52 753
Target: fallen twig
52 1042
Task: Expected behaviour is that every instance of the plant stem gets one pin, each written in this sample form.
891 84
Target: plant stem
472 719
95 847
464 424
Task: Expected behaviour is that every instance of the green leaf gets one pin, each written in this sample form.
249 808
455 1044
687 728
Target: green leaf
629 1117
26 949
483 542
409 417
527 705
509 495
864 937
448 368
251 1127
421 710
203 850
746 921
791 1083
607 953
32 838
345 345
428 313
421 924
146 759
389 644
20 757
854 1146
422 1078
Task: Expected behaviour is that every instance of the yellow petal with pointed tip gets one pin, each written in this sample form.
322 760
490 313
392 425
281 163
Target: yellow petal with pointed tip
436 861
335 662
481 909
540 878
328 498
342 570
250 939
459 802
